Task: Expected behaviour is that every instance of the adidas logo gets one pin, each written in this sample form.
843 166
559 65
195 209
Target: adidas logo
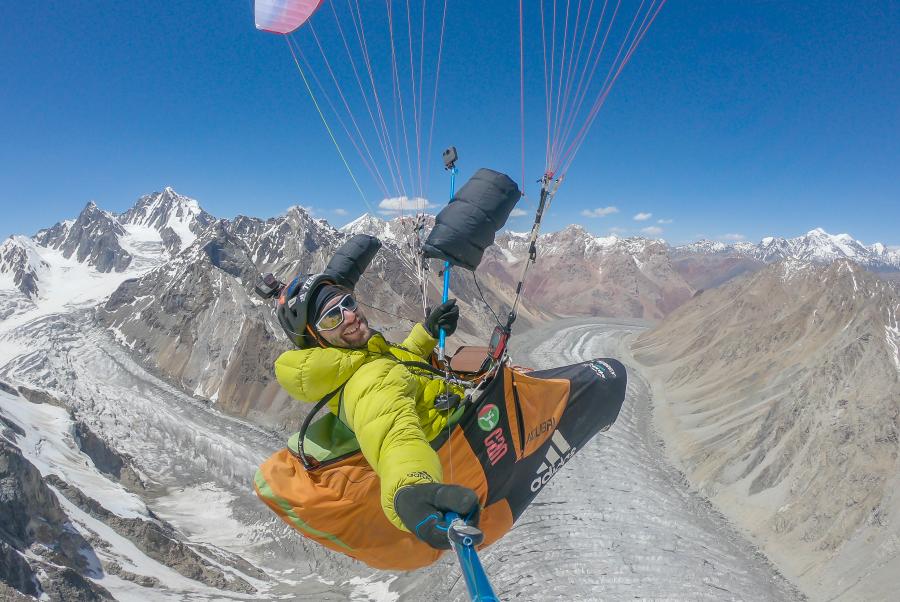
557 455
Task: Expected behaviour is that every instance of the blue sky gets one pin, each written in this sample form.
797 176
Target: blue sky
733 119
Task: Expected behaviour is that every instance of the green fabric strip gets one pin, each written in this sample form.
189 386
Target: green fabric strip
265 491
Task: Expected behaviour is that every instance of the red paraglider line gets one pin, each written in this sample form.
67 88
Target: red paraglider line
615 68
580 88
642 31
552 79
578 54
573 60
582 91
601 97
558 95
546 88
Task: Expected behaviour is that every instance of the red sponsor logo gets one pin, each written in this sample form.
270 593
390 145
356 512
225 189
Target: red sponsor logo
496 445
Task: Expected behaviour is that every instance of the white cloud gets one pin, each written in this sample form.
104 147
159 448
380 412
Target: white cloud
403 204
599 211
732 237
617 230
518 212
340 211
664 221
652 231
642 217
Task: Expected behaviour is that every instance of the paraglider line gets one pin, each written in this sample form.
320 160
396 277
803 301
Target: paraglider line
546 87
550 103
481 294
581 92
356 17
370 162
384 311
562 62
522 89
639 36
398 92
340 91
379 134
574 60
412 91
603 88
437 77
421 82
590 66
327 127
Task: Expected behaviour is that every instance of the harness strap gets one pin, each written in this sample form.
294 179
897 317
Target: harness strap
307 463
422 366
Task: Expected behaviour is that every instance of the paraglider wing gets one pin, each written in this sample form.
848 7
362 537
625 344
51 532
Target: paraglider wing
283 16
352 259
466 226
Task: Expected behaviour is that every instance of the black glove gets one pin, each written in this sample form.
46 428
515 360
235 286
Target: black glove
421 508
445 316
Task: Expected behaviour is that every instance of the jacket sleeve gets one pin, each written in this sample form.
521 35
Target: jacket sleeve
311 374
419 341
380 407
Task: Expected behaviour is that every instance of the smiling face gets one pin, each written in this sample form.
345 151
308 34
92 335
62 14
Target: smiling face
352 333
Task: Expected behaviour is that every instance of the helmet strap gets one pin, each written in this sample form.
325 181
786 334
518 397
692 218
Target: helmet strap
316 337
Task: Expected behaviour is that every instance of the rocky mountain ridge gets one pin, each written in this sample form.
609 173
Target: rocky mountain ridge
780 400
186 277
182 306
184 303
816 246
22 262
110 243
159 226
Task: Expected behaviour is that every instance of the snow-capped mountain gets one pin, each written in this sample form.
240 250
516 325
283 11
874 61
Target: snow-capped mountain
294 234
399 230
816 246
159 226
93 239
22 264
178 219
574 239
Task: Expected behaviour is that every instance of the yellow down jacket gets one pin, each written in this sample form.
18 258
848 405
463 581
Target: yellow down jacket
389 406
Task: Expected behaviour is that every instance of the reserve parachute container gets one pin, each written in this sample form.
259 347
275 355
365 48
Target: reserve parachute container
467 225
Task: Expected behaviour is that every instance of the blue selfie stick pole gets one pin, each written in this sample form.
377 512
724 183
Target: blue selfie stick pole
464 538
446 294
